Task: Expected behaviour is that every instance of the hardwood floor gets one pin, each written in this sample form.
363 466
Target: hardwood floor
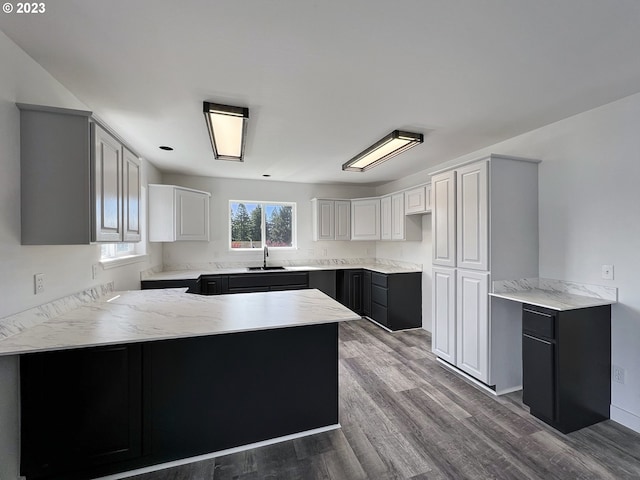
403 416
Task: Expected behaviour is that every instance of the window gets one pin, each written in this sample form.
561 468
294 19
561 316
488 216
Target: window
254 224
116 254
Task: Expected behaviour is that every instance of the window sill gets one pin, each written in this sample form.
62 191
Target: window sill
120 261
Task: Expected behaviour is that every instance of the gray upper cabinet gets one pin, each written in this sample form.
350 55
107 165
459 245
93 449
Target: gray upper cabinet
79 184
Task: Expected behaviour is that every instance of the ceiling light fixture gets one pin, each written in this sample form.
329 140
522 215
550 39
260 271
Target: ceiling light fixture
227 130
390 146
165 147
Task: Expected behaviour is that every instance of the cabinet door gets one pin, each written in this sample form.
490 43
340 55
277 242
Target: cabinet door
472 323
397 217
131 199
443 219
415 200
444 313
365 219
428 197
385 218
538 376
366 293
80 409
192 215
343 219
107 186
472 216
325 220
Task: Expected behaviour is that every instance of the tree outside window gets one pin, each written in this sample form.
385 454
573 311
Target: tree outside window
251 222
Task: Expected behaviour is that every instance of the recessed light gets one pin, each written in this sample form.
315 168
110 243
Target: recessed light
164 147
266 175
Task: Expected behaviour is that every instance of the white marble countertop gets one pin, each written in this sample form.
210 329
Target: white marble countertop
554 294
195 274
553 300
144 315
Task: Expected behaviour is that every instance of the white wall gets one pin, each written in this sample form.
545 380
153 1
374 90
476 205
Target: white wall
222 190
67 269
589 215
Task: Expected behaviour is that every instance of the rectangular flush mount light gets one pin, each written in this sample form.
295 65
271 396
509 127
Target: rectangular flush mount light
390 146
227 130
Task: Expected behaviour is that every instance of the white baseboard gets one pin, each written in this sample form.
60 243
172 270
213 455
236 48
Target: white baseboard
628 419
208 456
467 377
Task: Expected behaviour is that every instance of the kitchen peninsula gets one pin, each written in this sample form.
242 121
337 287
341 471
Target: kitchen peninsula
146 377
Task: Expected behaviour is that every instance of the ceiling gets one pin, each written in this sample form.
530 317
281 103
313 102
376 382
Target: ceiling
324 79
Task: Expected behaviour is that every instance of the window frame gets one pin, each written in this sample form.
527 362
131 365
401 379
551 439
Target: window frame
263 228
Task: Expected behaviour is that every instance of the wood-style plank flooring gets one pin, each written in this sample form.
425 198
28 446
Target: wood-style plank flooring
404 416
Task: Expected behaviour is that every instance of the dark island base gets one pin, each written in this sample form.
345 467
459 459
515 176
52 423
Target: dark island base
96 411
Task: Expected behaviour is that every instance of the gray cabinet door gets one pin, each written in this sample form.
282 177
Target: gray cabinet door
107 178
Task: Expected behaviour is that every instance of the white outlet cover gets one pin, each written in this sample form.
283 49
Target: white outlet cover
607 272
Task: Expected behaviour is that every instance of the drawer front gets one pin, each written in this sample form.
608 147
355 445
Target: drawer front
379 295
379 279
379 314
538 323
248 289
268 279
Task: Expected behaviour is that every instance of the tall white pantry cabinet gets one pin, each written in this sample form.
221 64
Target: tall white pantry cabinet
485 229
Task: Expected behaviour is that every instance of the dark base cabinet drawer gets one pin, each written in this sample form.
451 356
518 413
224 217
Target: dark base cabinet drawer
299 280
380 279
379 313
379 295
192 285
538 321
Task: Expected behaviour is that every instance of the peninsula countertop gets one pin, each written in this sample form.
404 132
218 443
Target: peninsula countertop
145 315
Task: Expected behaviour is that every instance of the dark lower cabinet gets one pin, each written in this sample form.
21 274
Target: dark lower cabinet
366 294
91 412
81 411
325 281
396 300
566 365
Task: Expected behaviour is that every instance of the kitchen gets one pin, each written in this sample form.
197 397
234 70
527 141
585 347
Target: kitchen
587 203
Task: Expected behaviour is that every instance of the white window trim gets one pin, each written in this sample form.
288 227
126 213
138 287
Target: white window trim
294 226
108 263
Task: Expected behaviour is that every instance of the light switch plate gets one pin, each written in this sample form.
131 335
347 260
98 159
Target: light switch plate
607 272
38 283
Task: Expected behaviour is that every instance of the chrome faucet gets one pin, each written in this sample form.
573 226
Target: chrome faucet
265 255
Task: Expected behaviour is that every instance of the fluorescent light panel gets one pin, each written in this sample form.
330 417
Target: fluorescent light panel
390 146
227 130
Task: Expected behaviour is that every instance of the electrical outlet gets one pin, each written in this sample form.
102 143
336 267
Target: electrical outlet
94 271
617 374
607 272
38 283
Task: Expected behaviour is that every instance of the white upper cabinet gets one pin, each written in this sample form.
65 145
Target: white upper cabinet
386 226
343 219
131 184
365 219
397 217
331 219
444 219
472 217
108 186
417 200
178 214
79 184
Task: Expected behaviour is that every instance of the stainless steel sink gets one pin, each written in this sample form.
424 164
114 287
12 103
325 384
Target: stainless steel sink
255 269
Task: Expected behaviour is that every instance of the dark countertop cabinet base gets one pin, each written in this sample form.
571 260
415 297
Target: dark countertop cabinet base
96 411
566 360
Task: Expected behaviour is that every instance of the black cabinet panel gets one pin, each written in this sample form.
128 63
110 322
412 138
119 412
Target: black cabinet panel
379 279
191 284
81 409
212 393
248 280
325 281
379 314
538 372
